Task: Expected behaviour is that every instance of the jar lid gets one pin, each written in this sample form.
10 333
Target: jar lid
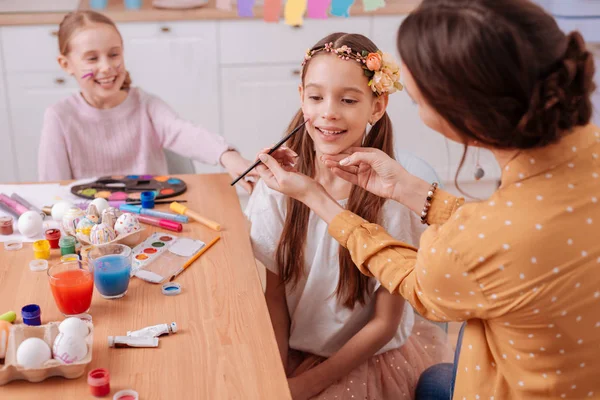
13 245
98 377
69 257
6 220
171 289
66 240
126 394
38 265
30 311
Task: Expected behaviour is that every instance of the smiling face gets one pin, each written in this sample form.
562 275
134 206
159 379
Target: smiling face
339 103
95 58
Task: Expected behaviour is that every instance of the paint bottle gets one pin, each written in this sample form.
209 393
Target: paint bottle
32 315
147 199
130 341
53 236
6 225
99 382
155 331
41 250
67 245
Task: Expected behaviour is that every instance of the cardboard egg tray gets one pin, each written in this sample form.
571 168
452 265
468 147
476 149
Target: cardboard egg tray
10 370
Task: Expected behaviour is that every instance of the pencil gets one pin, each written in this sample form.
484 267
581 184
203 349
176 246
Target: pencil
278 145
194 258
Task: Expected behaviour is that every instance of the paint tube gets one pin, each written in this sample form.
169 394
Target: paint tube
129 341
154 331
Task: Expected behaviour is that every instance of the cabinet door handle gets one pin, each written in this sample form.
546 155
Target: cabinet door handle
59 81
296 72
165 29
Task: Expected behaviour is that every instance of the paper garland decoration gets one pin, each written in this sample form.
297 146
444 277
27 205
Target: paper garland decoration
372 5
244 8
271 10
341 8
293 12
317 9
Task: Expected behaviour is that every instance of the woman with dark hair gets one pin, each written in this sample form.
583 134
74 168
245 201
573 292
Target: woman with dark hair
521 268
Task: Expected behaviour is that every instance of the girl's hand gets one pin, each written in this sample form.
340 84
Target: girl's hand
235 165
300 389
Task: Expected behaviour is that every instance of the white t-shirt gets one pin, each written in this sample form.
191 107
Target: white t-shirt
319 323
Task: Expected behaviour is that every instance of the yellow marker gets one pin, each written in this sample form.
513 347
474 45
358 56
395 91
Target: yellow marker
183 210
293 12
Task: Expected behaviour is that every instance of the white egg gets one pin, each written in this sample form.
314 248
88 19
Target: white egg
74 326
59 210
30 224
101 204
69 349
33 353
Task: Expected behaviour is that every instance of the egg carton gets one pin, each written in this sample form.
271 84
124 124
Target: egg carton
11 371
129 239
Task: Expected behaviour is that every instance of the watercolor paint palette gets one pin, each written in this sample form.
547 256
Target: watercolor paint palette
161 255
130 187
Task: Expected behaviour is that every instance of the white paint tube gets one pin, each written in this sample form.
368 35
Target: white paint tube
154 331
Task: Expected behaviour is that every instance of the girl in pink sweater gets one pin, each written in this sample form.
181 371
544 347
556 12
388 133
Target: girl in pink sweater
110 128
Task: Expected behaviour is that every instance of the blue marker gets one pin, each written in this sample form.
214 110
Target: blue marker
153 213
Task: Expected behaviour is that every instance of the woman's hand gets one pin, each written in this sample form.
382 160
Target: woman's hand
371 169
278 172
235 165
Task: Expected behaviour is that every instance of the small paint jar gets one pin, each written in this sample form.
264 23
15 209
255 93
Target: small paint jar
67 245
41 249
53 236
99 382
6 225
147 199
133 4
98 4
69 257
126 394
32 315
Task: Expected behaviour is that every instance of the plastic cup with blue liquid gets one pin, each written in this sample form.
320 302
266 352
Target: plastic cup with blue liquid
112 268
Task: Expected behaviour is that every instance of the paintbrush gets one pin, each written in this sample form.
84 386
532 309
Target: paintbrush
278 145
194 258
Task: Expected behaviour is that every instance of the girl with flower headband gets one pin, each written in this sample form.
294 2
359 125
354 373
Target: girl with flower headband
339 333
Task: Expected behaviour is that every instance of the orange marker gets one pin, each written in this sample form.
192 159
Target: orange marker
183 210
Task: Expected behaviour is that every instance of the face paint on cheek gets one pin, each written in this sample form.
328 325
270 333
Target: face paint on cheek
88 75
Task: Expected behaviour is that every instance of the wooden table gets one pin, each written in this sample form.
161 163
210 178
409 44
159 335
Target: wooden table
225 349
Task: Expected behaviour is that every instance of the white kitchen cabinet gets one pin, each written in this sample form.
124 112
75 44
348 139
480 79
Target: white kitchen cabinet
30 48
30 94
178 62
258 104
7 160
256 42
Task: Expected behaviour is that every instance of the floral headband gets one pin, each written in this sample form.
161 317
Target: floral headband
380 67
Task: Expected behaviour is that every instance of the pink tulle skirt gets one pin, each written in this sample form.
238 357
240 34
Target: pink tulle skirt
391 375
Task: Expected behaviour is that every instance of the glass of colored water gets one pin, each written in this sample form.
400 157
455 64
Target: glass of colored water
72 285
112 268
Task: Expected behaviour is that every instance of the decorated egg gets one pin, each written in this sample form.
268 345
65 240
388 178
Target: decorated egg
4 331
84 226
30 224
71 219
92 214
74 326
102 233
33 353
112 214
101 204
59 210
126 224
69 348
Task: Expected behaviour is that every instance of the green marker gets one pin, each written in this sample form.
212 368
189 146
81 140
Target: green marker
9 316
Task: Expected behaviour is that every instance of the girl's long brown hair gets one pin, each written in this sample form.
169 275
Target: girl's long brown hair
76 20
352 286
